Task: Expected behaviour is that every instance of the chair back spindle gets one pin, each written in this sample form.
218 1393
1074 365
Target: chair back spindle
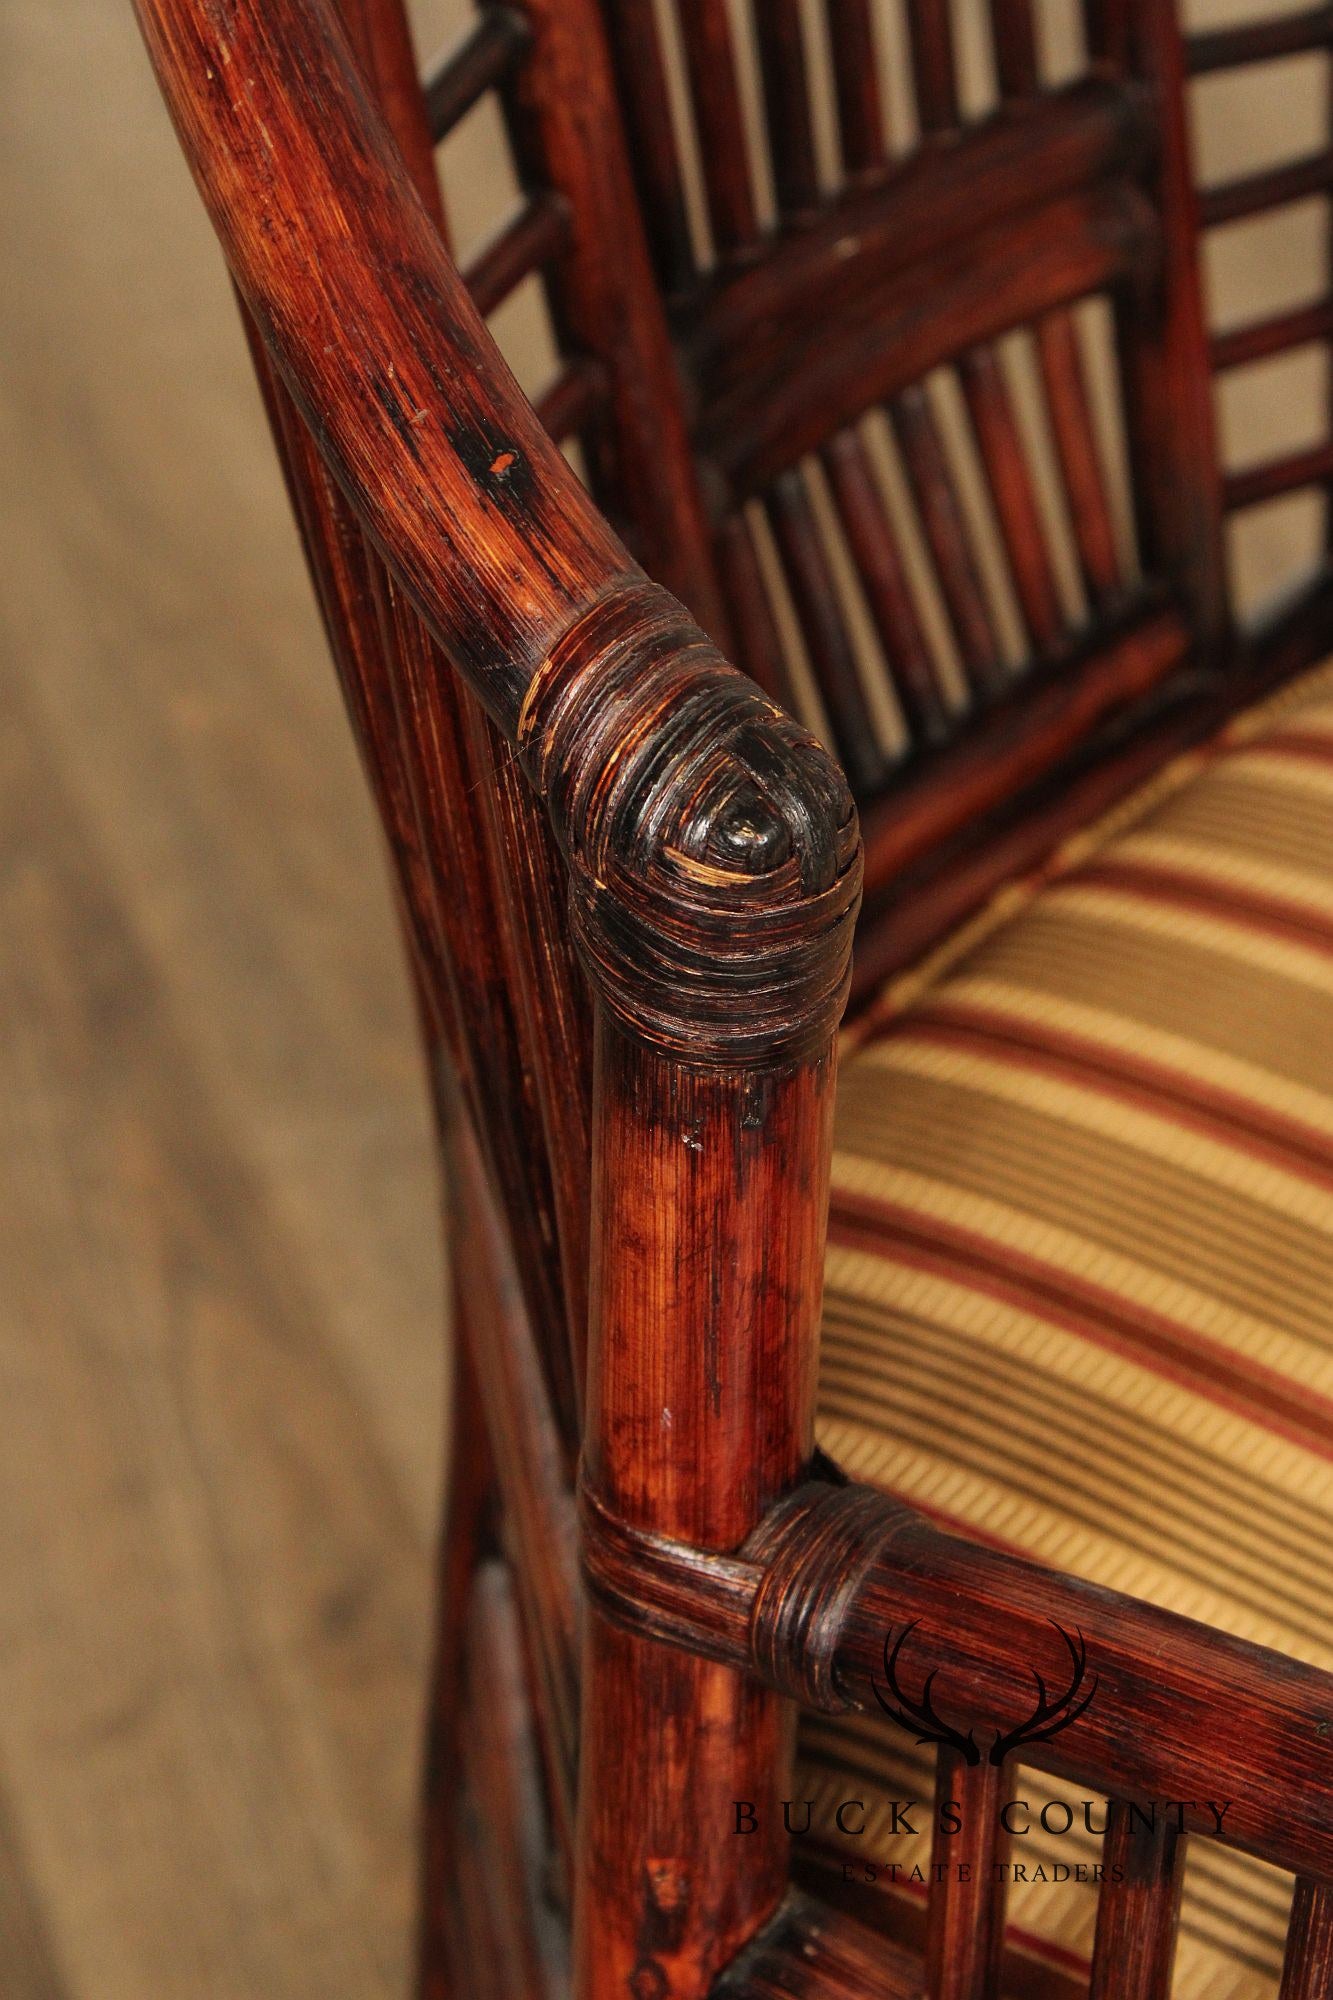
1137 1907
965 1912
1307 1969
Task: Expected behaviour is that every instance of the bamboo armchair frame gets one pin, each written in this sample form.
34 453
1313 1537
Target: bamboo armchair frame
575 783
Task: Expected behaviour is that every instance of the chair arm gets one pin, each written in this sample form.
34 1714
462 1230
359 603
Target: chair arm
712 842
837 1574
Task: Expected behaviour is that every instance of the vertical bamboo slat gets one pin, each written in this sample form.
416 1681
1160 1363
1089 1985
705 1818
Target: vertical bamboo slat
1307 1968
761 651
861 129
965 1912
934 70
1137 1909
641 72
711 60
1005 458
946 532
1109 31
1076 445
884 580
1013 33
826 636
1014 36
791 134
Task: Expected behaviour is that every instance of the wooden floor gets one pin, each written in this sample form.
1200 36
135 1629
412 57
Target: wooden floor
221 1363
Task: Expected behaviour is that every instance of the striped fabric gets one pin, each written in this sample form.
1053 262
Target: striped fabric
1078 1285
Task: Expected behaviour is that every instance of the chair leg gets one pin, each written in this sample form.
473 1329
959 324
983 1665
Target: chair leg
466 1538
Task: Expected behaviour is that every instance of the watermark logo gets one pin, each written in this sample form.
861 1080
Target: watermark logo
1057 1700
919 1717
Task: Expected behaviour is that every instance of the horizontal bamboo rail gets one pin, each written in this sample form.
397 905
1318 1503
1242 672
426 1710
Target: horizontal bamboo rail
1276 476
1258 339
1271 187
1301 33
487 55
837 1573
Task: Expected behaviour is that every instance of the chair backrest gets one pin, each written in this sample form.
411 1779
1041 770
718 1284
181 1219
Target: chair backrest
887 354
911 397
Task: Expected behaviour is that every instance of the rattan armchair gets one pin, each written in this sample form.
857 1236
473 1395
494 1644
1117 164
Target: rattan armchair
630 882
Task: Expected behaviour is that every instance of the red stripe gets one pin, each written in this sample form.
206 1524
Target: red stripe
1302 746
1272 915
1240 1122
1089 1311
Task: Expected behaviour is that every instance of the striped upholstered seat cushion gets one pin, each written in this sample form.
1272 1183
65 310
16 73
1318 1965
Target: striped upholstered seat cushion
1079 1295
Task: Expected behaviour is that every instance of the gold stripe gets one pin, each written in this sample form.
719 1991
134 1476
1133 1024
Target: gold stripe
1138 1389
1255 949
1119 1034
927 1357
1229 868
1288 1583
1296 1482
1248 817
1049 1440
1267 1264
1173 984
1288 774
1089 1110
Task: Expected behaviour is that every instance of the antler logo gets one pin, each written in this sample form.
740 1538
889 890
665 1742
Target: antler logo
1049 1716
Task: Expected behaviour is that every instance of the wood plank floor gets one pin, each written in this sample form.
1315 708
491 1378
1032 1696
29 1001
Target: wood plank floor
221 1358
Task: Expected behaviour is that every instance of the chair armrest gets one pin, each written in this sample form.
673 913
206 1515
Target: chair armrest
712 842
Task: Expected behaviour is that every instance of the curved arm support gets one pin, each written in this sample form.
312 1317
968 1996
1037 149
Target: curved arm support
373 331
713 843
714 861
